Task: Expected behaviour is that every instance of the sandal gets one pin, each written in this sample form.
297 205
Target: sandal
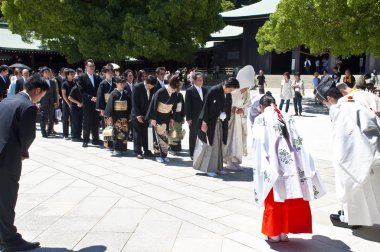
274 239
284 238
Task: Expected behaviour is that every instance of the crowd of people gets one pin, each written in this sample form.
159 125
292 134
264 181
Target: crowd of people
151 112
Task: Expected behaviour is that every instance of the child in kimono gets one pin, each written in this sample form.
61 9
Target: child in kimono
118 111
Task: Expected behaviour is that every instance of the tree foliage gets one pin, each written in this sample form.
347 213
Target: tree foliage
227 5
341 27
112 29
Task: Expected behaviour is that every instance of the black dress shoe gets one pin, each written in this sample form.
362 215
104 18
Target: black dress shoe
335 220
20 246
148 154
85 145
97 142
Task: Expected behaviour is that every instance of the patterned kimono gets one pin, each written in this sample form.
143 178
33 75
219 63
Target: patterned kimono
161 109
176 133
284 175
119 108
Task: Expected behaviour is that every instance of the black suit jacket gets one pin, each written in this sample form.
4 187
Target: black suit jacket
215 103
194 103
50 97
4 85
140 102
88 90
18 130
19 85
60 81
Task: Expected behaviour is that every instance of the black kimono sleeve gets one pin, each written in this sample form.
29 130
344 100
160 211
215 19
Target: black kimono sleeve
108 112
100 101
152 111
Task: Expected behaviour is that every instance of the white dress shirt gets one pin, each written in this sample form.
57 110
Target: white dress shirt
199 89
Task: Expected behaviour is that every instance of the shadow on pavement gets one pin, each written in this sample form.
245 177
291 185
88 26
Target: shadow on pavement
318 243
246 175
368 233
96 248
309 106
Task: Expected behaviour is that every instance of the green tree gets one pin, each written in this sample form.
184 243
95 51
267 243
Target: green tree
227 5
341 27
113 29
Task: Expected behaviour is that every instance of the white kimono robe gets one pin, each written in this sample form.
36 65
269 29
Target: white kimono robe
356 159
286 166
236 146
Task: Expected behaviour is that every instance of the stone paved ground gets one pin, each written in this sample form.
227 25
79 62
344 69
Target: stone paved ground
75 199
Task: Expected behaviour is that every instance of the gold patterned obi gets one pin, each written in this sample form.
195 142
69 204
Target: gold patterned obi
107 96
120 106
164 108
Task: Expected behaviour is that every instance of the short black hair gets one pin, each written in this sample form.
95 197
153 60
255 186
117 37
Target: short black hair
334 92
151 80
67 71
231 82
297 74
119 79
267 99
35 81
3 68
43 69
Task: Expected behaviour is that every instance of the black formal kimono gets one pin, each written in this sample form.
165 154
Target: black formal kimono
18 130
193 105
216 104
47 108
90 114
66 112
104 91
161 109
176 133
118 108
141 100
76 113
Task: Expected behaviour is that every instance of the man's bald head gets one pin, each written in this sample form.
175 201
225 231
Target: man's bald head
25 73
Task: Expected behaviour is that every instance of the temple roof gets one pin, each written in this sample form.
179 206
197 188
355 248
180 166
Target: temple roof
9 40
258 10
229 31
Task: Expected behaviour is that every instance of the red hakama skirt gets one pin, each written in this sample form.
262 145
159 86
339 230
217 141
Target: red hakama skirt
291 216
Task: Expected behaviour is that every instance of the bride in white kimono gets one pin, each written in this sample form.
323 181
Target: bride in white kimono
356 159
236 146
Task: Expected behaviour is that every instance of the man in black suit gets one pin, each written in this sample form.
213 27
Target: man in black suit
128 75
194 101
160 75
21 82
141 99
90 82
48 104
18 130
4 81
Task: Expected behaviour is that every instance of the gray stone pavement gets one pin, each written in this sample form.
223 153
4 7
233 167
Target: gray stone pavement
75 199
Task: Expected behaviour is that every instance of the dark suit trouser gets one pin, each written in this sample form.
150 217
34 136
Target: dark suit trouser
47 114
192 138
90 123
140 136
76 122
66 119
8 197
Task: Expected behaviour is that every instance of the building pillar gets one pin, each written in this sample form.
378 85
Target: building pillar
32 60
296 60
332 62
372 62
